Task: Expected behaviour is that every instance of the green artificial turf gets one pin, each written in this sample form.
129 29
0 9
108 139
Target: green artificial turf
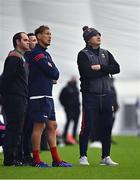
126 152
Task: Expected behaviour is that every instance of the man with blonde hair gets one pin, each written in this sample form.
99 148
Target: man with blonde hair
42 75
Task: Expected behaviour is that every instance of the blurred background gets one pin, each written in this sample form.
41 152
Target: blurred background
117 20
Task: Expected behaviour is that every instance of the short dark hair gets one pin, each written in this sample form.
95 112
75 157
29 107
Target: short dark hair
30 34
16 37
41 29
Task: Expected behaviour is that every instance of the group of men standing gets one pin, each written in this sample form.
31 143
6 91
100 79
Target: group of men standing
27 81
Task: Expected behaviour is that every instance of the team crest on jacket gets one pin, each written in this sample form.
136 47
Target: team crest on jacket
103 56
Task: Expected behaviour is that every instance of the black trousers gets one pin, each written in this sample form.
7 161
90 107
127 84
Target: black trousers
97 118
15 108
72 114
26 136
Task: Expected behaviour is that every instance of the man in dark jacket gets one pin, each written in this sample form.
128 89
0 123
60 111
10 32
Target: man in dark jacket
95 66
28 126
69 98
15 93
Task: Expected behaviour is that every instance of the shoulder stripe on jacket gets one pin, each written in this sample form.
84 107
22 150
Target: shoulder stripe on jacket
12 53
39 56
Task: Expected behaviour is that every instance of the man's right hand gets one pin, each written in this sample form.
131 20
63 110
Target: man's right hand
96 67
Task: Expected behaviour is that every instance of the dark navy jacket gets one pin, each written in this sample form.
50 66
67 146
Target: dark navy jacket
41 75
14 77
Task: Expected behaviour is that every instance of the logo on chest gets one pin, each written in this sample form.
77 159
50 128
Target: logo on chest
103 56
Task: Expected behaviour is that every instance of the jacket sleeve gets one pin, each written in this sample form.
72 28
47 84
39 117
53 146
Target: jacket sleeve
84 67
42 62
113 67
10 70
63 96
